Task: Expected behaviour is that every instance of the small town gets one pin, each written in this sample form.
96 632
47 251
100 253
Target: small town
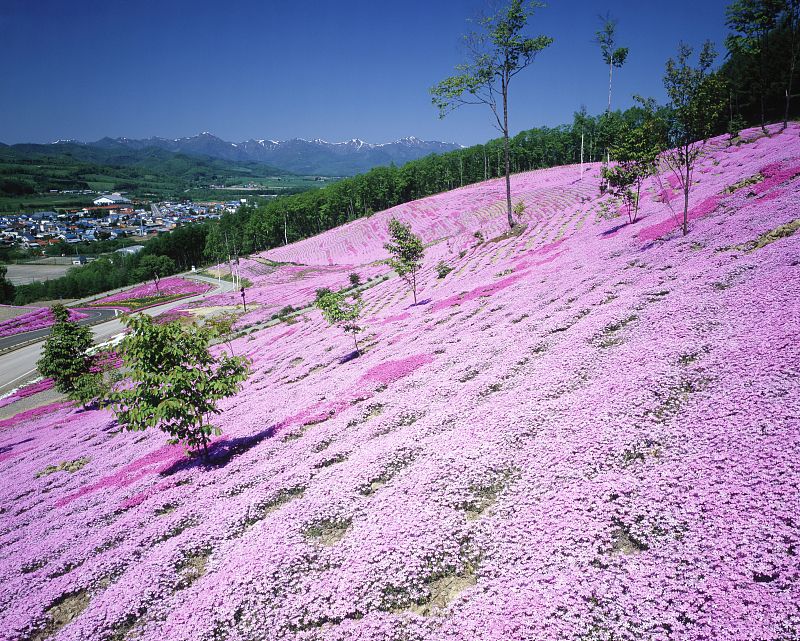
111 216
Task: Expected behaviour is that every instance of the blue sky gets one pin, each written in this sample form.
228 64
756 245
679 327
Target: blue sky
336 70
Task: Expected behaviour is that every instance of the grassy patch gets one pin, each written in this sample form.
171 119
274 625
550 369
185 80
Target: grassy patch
744 182
328 531
608 337
400 461
261 510
372 411
784 231
485 495
63 611
191 568
442 591
64 466
623 542
167 508
137 303
638 452
515 231
673 397
339 458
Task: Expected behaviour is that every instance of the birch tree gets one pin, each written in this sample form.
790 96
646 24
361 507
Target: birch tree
613 56
496 53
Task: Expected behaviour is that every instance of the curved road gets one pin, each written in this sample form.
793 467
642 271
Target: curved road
95 315
19 366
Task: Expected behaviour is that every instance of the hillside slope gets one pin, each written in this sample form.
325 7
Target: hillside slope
587 431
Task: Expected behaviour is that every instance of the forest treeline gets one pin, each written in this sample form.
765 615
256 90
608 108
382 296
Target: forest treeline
285 220
163 255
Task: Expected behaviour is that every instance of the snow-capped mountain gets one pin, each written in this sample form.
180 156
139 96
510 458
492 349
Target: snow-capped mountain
300 156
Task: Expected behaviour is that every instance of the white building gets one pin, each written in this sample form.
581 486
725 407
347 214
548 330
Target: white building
130 249
110 199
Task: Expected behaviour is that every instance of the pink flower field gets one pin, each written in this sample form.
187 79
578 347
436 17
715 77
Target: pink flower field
277 287
173 287
589 431
37 318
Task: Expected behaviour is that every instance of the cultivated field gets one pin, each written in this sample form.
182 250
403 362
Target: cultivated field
24 274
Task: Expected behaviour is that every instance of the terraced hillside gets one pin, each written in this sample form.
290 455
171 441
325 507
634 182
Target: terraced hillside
587 431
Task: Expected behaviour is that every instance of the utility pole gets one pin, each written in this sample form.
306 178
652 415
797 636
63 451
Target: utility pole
581 154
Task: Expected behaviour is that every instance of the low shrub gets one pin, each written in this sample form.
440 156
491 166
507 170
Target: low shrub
443 269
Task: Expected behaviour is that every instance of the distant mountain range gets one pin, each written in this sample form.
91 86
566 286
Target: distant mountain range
298 156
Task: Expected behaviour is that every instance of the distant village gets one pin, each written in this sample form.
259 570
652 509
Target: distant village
111 216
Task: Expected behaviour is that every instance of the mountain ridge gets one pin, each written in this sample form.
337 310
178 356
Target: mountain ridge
296 155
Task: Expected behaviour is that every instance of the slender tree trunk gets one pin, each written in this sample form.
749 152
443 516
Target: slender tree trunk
414 284
610 73
686 186
762 83
793 29
507 154
355 340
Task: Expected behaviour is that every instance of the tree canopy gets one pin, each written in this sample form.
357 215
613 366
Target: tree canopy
174 380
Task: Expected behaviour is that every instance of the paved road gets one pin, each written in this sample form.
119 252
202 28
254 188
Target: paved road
19 366
93 316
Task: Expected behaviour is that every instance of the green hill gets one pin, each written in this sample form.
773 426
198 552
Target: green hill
36 176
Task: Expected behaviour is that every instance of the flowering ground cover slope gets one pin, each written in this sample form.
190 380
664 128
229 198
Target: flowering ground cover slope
36 318
275 287
587 431
147 293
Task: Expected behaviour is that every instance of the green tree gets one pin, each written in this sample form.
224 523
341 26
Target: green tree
442 269
497 53
65 356
407 251
613 56
175 382
152 267
791 23
338 311
636 152
94 386
697 101
751 22
785 41
6 286
221 326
